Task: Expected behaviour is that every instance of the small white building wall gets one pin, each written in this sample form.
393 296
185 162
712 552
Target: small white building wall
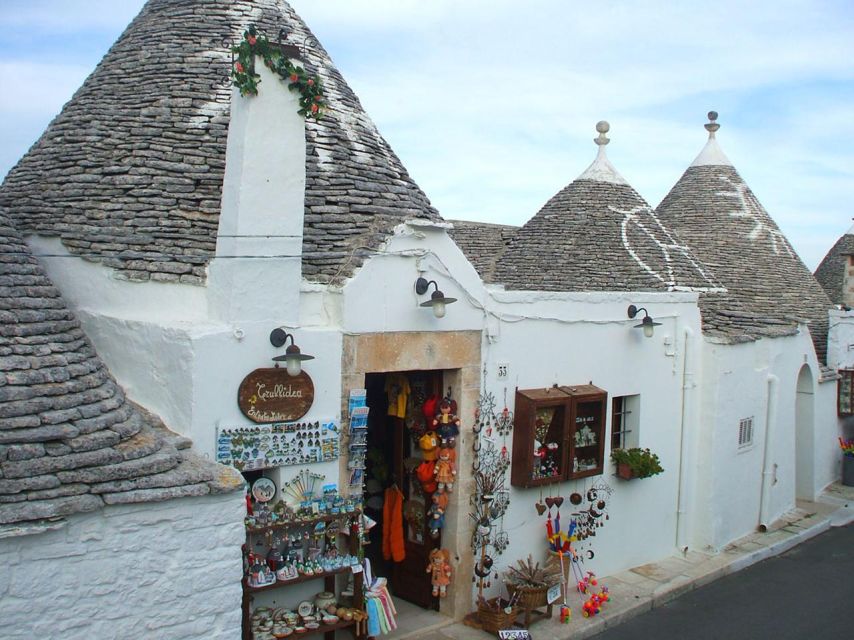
739 382
588 338
840 339
552 338
382 298
152 570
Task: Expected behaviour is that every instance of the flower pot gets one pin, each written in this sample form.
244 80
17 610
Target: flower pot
625 472
848 471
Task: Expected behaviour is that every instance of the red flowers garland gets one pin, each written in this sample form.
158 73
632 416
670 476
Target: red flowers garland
254 44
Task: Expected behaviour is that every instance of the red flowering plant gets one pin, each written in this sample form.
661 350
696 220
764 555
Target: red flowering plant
243 74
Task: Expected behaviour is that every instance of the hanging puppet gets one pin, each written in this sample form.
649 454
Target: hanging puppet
446 424
445 470
440 570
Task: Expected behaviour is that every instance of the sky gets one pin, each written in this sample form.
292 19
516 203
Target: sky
492 105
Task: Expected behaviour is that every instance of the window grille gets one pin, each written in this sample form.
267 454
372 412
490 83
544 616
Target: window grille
745 432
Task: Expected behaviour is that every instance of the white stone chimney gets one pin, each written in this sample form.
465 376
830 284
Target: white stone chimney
848 282
257 270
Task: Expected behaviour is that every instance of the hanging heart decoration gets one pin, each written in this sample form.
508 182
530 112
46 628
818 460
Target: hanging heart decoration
558 500
540 507
550 502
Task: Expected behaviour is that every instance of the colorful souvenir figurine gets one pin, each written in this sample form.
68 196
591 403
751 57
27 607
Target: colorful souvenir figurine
436 514
565 614
440 570
446 424
445 470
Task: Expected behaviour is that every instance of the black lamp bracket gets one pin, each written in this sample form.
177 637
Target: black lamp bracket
422 284
279 336
633 311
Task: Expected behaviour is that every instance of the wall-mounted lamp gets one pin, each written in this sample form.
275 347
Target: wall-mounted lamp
437 299
293 356
647 324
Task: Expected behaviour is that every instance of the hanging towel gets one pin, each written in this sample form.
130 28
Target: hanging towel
393 548
397 388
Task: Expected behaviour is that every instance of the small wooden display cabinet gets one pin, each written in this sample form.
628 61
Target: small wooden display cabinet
559 434
328 630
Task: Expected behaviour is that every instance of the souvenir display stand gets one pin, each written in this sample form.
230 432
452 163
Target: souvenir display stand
559 434
296 546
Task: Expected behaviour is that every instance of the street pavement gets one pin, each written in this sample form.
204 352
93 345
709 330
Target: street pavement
807 592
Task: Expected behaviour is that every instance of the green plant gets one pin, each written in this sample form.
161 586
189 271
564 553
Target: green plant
242 73
642 462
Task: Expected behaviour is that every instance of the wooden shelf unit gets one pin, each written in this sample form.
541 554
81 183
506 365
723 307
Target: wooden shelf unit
570 418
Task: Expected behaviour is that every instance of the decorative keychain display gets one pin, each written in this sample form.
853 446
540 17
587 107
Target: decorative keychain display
279 444
491 499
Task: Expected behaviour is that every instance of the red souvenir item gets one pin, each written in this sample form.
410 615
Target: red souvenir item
424 473
430 407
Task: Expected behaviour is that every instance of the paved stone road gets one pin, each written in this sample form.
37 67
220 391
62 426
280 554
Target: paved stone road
808 592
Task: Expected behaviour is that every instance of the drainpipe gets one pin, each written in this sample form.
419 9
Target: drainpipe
767 465
682 495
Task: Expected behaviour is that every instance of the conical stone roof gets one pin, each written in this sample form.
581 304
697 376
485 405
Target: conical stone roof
769 289
599 234
831 272
130 172
69 439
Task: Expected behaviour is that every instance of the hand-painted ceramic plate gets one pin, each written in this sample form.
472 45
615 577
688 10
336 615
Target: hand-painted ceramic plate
263 489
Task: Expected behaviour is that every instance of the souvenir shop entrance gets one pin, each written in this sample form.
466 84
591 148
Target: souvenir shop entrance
441 359
400 480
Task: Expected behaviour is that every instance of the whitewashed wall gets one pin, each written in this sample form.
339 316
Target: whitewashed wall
580 338
156 570
840 339
549 338
739 382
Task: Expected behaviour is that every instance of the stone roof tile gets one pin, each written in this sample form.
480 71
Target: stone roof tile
482 243
130 172
831 272
65 425
769 289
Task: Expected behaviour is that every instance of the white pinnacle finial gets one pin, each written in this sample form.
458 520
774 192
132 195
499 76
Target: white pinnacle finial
602 170
712 154
712 125
602 127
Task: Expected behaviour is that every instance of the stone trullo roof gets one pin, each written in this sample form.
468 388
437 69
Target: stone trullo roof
768 286
599 234
831 272
130 172
483 243
70 441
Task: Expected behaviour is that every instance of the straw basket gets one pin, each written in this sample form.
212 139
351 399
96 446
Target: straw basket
529 597
493 617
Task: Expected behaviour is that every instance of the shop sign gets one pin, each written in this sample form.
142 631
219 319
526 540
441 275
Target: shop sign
271 395
514 634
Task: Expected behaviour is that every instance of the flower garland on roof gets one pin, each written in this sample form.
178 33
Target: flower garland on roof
253 44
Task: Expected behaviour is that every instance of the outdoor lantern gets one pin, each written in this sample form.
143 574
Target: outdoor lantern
293 356
647 324
437 299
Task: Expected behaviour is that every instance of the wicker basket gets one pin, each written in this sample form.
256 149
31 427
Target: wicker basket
493 617
529 597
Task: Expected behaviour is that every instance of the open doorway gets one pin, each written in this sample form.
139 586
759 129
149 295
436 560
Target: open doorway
395 497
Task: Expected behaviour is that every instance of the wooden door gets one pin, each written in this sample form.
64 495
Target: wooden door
409 579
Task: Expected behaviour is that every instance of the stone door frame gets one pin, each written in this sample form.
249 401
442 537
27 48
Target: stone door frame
458 355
